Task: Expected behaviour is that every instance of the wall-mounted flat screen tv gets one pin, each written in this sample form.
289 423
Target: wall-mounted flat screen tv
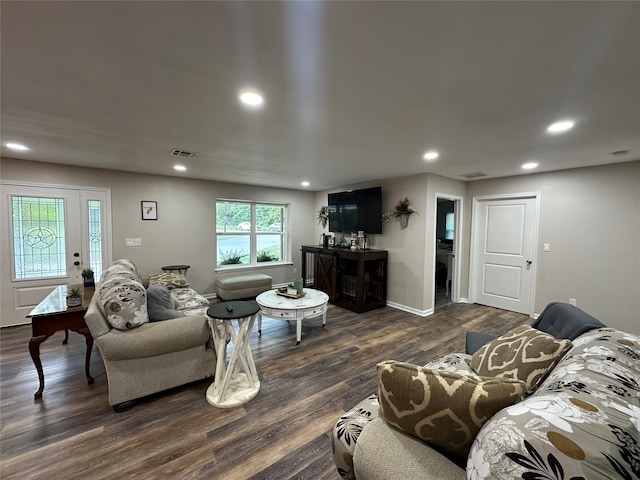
356 210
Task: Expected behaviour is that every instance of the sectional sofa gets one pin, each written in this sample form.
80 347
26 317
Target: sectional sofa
578 419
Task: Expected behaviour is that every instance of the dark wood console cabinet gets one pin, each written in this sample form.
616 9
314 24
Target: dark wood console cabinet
353 279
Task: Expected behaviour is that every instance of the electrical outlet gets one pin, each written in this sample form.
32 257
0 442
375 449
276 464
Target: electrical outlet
572 301
295 270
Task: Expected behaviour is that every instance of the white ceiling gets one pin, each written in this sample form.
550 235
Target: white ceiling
354 91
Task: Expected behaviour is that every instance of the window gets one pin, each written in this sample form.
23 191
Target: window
39 247
250 233
449 226
94 210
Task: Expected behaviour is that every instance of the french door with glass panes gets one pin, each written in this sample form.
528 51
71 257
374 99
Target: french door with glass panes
49 235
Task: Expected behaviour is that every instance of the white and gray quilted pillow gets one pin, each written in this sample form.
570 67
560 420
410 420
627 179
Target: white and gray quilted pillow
124 304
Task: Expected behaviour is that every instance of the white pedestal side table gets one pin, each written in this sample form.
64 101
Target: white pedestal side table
238 382
313 304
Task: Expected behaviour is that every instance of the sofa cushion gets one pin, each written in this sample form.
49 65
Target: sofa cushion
582 422
384 453
444 409
188 299
523 353
169 279
160 304
563 320
124 304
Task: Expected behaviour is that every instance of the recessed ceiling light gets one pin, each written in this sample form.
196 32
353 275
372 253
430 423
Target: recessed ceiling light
530 165
304 184
251 98
431 155
17 146
560 127
180 168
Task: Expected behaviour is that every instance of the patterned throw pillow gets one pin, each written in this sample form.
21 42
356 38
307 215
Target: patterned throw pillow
444 409
523 353
169 280
124 304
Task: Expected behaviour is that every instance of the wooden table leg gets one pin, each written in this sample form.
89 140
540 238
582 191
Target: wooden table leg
89 341
34 350
66 336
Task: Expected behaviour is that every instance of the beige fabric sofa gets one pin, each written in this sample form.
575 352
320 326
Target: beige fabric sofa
153 356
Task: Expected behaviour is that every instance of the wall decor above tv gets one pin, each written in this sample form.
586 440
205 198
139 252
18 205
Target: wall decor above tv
356 210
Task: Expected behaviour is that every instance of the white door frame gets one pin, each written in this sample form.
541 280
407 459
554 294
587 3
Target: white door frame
473 288
457 245
83 194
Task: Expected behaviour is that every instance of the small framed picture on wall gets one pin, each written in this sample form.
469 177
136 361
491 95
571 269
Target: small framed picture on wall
149 210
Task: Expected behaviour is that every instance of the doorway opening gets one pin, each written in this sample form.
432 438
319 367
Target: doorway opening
448 213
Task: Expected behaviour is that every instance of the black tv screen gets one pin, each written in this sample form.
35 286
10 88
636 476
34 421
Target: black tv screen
355 210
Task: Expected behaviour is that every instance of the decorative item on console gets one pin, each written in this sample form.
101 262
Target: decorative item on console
326 240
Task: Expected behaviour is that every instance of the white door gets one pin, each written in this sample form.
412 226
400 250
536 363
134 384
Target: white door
503 262
49 235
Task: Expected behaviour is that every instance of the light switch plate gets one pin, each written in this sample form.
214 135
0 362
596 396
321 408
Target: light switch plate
546 247
133 242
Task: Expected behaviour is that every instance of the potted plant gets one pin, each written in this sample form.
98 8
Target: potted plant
74 297
401 211
87 275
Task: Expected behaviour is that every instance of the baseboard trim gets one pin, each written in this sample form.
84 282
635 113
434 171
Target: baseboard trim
415 311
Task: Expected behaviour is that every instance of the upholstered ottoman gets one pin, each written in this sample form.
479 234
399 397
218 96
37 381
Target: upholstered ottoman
242 286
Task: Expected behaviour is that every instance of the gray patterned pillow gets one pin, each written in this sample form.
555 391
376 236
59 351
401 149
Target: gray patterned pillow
442 408
169 280
523 353
124 304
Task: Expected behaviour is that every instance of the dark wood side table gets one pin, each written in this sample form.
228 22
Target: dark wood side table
176 268
52 315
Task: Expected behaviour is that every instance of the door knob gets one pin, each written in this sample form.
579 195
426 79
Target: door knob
76 254
76 263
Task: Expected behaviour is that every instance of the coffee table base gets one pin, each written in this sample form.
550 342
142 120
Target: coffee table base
239 391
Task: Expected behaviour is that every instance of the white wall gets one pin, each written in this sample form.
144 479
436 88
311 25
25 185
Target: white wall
185 230
591 219
411 275
590 216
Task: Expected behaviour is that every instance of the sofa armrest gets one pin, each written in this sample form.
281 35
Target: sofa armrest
475 340
156 338
384 453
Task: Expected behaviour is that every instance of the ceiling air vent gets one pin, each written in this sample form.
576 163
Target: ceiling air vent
474 175
183 153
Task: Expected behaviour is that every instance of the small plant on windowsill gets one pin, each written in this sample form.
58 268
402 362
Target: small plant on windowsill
231 256
401 211
74 297
266 256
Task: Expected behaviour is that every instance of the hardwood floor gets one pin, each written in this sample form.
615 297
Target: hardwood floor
284 433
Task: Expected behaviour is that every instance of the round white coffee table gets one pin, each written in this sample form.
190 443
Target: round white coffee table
313 304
